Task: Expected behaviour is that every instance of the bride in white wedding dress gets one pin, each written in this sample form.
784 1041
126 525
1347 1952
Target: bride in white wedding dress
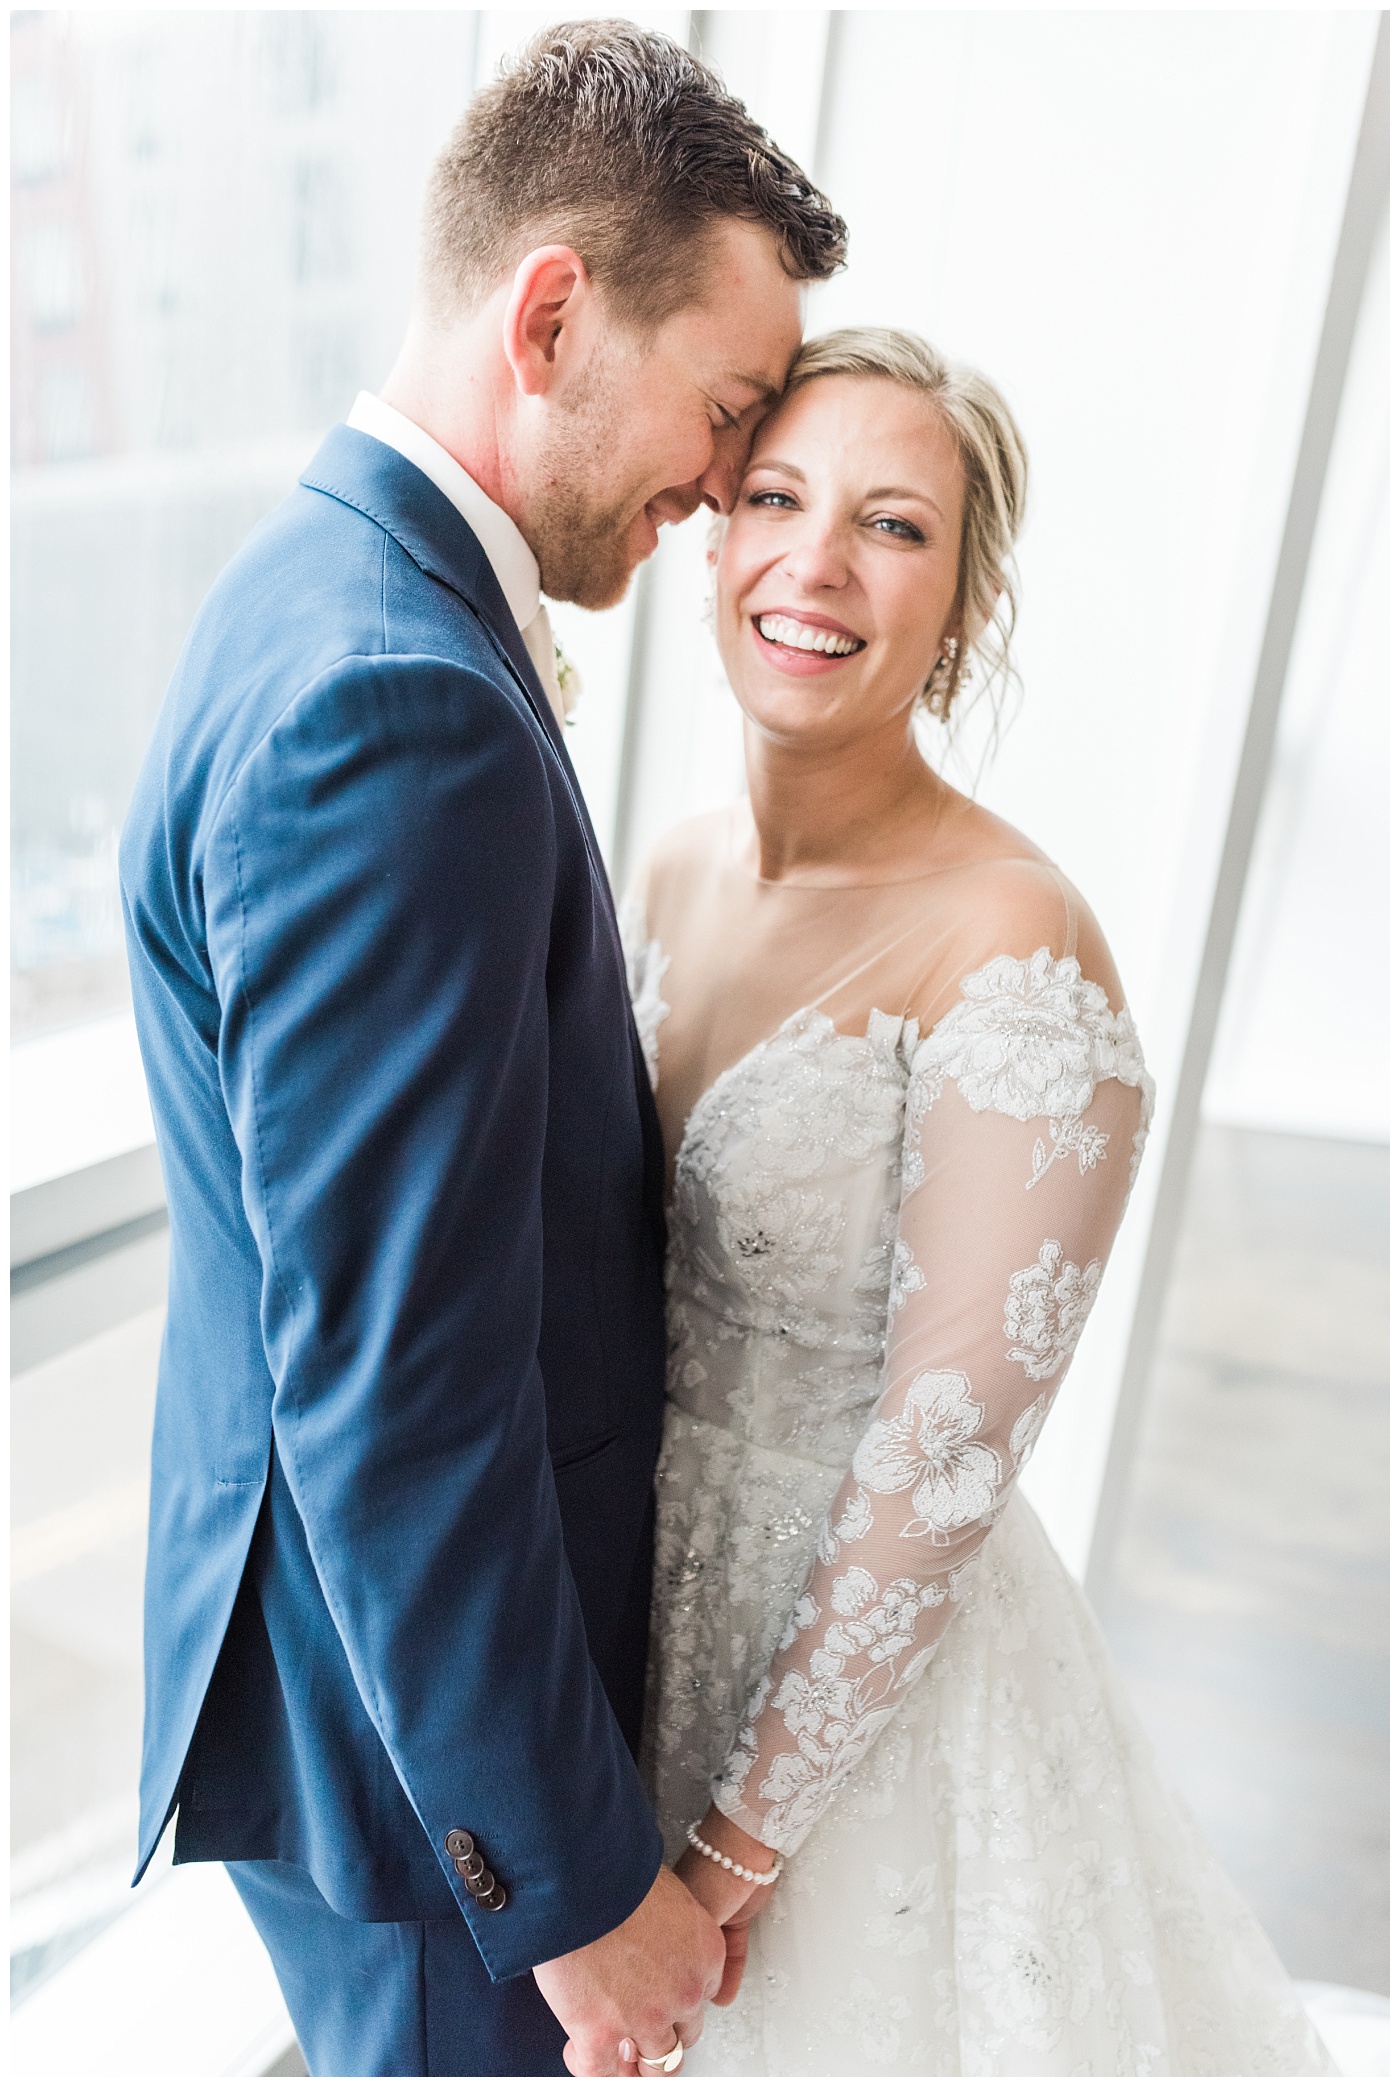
904 1104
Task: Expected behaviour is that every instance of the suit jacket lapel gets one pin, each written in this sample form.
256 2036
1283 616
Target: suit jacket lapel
368 475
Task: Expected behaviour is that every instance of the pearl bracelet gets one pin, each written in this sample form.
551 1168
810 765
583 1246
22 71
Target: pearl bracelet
726 1863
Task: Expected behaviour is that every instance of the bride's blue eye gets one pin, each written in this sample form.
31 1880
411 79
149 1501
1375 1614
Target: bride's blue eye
770 497
895 525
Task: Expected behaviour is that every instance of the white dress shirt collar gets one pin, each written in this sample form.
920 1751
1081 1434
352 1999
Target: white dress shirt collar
511 559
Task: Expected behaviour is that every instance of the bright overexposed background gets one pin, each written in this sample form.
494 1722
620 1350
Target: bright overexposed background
1129 219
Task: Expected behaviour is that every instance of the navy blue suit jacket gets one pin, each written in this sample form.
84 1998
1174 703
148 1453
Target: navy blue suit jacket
410 1392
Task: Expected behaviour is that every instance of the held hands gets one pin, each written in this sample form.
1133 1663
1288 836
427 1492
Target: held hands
727 1898
626 1998
639 1987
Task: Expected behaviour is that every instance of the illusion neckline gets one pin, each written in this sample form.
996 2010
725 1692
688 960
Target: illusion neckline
947 869
926 876
898 1026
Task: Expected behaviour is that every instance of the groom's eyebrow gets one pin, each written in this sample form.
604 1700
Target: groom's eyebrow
765 391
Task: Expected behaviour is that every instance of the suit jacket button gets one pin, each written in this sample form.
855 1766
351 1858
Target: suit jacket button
468 1867
482 1886
460 1843
494 1900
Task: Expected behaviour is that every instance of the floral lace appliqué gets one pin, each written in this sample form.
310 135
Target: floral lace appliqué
933 1452
1028 1037
1046 1308
906 1276
1067 1135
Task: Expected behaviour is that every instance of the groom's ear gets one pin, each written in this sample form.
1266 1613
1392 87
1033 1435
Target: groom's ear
546 302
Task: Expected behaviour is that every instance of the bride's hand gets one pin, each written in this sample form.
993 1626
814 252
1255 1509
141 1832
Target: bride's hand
730 1900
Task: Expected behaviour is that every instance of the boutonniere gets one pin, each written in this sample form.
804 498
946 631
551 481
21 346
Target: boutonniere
570 682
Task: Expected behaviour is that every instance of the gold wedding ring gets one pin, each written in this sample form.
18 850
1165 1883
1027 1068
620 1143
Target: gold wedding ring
670 2063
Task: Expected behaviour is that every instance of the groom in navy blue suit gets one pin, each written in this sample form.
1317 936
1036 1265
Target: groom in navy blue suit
411 1388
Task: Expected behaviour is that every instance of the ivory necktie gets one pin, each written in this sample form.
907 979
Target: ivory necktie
539 643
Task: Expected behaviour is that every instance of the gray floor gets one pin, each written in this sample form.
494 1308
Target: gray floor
1249 1607
1248 1613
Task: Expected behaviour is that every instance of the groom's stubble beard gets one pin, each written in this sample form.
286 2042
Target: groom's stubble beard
582 546
583 553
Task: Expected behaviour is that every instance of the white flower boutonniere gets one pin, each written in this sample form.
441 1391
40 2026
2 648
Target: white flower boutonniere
570 682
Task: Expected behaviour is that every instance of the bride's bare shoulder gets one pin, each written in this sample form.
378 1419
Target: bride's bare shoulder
1013 901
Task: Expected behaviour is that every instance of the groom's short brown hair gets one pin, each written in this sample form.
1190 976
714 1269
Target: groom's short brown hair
617 142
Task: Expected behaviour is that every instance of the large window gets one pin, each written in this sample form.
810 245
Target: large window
212 220
213 239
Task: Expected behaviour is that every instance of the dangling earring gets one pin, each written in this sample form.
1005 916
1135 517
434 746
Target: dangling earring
945 679
714 537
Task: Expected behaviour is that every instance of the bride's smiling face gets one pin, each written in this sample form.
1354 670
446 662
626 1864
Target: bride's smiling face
837 577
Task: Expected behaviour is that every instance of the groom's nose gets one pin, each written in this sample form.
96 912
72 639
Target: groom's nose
677 503
717 486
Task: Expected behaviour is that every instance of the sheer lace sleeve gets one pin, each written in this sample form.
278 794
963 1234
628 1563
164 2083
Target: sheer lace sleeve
1027 1107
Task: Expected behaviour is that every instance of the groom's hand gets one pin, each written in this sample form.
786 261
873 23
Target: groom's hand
645 1982
725 1895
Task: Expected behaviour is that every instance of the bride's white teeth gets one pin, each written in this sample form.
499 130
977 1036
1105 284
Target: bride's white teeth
806 637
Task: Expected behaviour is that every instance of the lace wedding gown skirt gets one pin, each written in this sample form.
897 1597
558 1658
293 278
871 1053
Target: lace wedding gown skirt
996 1882
1003 1885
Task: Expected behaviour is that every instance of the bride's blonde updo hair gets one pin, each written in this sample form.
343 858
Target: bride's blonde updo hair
994 499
